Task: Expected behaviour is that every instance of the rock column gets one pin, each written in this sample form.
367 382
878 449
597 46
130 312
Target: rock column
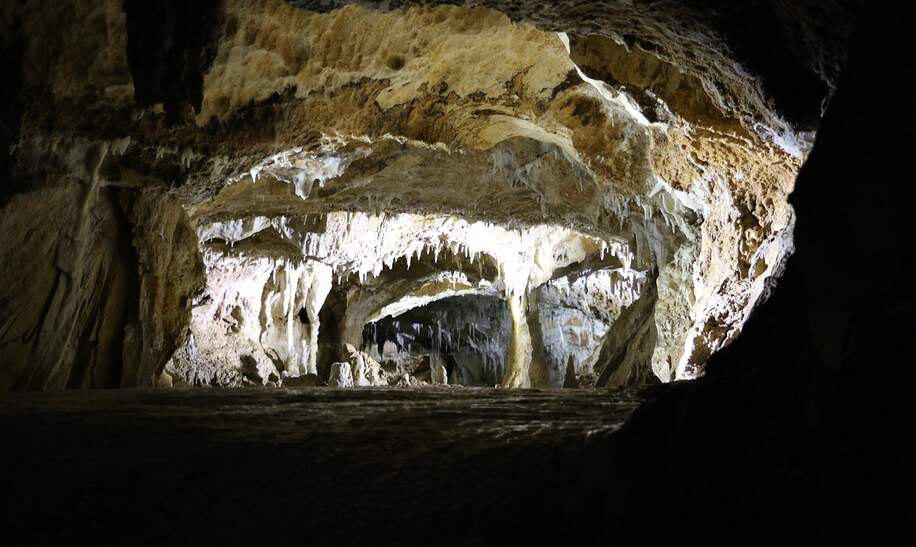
525 367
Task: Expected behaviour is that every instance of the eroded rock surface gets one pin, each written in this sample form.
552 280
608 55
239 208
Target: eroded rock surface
98 280
307 155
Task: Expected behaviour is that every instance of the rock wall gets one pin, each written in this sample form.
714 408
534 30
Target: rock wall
576 316
256 322
698 188
96 293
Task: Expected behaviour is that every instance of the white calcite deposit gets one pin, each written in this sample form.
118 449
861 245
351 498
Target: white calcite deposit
253 306
259 316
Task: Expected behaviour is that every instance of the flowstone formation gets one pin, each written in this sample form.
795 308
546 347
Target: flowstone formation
269 277
250 197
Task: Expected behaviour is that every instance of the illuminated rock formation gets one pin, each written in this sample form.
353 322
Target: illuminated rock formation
628 205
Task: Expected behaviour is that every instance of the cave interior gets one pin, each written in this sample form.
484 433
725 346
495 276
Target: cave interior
456 273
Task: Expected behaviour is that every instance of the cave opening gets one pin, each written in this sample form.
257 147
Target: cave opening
468 336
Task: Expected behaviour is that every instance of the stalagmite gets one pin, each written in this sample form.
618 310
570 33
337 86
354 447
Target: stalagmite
366 370
438 374
341 376
570 381
518 366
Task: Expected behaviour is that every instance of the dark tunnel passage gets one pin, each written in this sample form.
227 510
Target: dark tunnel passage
468 335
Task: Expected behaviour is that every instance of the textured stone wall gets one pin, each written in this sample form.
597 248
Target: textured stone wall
98 276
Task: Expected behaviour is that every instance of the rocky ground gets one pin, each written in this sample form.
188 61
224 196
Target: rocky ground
433 466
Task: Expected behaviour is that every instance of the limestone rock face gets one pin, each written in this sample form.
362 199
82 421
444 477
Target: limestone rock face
97 293
233 196
693 188
258 316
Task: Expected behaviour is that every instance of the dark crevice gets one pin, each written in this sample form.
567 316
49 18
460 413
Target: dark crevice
776 40
330 318
469 333
133 293
170 46
303 316
11 108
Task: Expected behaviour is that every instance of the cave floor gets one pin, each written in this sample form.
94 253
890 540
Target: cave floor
306 465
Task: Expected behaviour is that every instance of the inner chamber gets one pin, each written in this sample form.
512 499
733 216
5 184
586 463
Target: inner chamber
404 300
